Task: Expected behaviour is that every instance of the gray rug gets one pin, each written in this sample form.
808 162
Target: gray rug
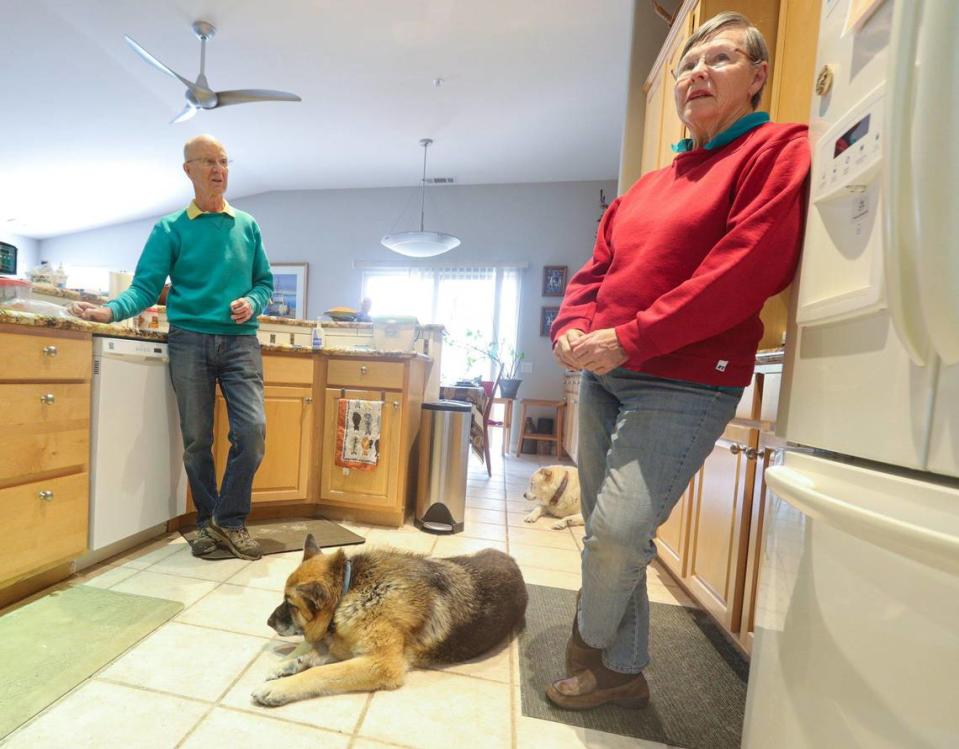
697 679
288 534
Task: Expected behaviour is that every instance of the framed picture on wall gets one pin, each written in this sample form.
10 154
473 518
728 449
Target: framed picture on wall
289 290
546 319
554 280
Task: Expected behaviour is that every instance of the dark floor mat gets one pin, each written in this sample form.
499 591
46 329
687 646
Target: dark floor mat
288 534
697 678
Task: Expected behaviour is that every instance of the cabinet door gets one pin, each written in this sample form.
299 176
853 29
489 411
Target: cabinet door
349 486
672 128
652 126
720 527
284 473
672 536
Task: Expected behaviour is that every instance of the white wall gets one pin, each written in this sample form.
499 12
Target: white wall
27 250
536 224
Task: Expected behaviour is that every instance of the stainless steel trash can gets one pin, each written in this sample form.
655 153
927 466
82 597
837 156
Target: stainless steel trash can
443 459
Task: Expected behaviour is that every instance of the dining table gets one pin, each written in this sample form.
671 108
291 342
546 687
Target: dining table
477 398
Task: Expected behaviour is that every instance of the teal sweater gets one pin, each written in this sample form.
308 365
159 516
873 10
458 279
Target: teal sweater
211 260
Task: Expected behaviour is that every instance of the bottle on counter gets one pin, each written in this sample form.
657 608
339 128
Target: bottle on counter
317 337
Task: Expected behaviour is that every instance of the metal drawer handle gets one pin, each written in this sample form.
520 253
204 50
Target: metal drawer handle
46 495
48 400
49 350
735 449
364 369
396 404
307 400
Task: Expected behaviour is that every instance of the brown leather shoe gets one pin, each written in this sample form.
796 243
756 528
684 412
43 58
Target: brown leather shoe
582 692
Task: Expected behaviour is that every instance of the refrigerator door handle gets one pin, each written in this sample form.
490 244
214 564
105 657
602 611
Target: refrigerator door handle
922 544
934 178
898 225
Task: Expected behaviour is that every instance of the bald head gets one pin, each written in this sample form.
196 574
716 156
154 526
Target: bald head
198 142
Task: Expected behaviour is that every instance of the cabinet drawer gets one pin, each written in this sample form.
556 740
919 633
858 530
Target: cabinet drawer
47 428
287 370
45 357
43 522
364 373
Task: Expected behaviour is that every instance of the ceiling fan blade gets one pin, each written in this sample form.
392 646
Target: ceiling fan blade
159 65
188 111
246 95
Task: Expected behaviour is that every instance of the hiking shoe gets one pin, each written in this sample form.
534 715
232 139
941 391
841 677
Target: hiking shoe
203 543
237 540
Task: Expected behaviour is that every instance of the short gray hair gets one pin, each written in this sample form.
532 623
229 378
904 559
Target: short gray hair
756 48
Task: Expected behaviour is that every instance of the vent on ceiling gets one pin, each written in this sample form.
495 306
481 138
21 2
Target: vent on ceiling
439 180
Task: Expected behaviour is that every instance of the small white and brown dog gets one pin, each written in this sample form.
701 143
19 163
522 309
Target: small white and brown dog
556 488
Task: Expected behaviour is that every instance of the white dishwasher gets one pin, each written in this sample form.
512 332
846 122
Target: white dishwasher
137 480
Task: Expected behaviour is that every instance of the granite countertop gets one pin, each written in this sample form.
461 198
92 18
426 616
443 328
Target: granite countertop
74 296
114 330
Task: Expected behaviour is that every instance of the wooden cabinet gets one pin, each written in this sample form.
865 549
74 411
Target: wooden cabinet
672 537
44 464
571 421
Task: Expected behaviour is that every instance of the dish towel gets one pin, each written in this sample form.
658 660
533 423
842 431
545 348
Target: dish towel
358 434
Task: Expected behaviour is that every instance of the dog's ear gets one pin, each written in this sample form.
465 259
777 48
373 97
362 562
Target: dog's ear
310 548
313 595
547 473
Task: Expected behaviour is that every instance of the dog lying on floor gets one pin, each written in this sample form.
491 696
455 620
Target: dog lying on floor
556 488
382 612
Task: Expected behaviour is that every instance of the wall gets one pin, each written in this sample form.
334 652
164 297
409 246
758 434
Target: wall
535 224
27 251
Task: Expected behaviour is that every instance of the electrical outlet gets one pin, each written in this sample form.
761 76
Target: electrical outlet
526 367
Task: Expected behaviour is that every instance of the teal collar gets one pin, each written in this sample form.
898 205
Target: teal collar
740 126
347 574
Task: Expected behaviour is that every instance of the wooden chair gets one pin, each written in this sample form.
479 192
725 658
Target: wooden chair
556 436
487 422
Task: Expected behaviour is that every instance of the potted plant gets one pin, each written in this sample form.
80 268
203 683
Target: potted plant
508 382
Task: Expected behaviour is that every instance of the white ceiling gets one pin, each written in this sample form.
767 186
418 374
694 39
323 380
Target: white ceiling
534 91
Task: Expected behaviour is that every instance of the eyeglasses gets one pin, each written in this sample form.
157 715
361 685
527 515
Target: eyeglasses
210 163
716 59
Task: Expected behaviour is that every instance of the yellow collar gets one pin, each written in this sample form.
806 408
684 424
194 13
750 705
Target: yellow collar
193 210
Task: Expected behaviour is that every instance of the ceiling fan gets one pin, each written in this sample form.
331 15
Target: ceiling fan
199 95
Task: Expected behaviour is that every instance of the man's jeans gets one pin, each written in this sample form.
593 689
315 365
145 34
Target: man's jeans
198 361
641 439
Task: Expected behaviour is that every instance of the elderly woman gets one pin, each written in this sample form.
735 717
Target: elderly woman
664 319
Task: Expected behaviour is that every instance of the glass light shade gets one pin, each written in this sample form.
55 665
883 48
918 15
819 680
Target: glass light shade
420 243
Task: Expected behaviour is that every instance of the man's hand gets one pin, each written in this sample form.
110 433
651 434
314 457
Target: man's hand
92 312
241 310
563 349
599 351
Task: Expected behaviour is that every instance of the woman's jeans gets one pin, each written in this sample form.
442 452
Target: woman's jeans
641 440
198 361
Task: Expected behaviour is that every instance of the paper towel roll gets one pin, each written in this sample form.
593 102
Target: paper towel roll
119 282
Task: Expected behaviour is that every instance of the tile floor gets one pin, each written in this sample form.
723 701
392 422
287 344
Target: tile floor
188 683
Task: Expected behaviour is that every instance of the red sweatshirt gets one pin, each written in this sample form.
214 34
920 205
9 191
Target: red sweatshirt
686 258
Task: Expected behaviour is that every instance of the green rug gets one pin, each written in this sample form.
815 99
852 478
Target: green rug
696 678
49 646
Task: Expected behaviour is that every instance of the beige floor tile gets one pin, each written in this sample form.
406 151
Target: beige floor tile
223 727
484 516
555 539
370 744
674 596
337 712
493 665
99 715
436 710
578 531
105 575
484 530
152 552
486 504
270 572
552 578
184 563
563 560
187 590
451 546
491 493
420 542
186 661
234 608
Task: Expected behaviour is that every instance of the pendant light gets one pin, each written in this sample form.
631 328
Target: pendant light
421 243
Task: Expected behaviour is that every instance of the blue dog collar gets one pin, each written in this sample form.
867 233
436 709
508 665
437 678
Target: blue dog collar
347 574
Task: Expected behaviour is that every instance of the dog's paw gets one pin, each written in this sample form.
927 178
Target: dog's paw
287 668
271 695
560 524
534 515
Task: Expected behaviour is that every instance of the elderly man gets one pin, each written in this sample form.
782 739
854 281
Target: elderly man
221 280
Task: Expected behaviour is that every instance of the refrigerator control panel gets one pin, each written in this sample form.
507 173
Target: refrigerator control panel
849 155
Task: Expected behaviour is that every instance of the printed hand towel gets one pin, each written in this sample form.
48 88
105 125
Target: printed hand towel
358 434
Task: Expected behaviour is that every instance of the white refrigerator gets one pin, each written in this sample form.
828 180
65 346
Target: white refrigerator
857 623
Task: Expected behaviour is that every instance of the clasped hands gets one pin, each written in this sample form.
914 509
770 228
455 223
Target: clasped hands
240 311
598 352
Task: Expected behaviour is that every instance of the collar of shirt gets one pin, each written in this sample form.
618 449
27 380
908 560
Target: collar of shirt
193 210
740 126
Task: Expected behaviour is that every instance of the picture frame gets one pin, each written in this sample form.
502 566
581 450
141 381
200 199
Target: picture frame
554 280
546 318
289 290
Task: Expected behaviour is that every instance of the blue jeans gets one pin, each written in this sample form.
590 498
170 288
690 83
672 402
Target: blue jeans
641 440
198 361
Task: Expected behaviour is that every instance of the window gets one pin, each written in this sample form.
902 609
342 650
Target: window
480 299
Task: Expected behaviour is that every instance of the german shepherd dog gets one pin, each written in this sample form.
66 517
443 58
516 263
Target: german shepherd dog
383 612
